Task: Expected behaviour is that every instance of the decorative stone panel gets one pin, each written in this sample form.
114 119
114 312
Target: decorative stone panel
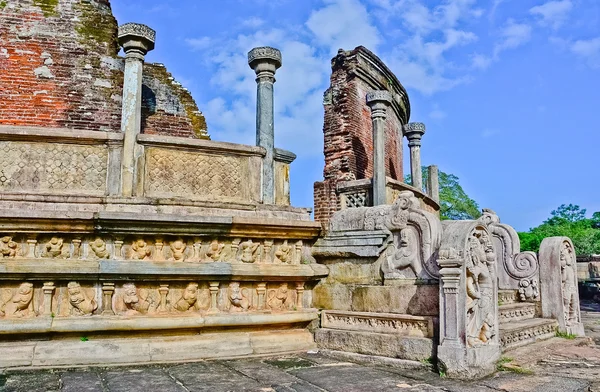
400 324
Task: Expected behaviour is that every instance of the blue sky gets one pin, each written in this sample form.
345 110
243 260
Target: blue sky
509 89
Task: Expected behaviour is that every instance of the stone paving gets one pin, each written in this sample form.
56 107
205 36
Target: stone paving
557 364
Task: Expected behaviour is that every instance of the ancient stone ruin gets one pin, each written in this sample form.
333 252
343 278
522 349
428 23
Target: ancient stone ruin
127 235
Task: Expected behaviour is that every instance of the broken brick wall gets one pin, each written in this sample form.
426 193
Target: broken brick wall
59 67
348 130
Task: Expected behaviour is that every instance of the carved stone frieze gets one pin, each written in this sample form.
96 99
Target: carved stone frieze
140 250
238 297
82 300
189 299
283 254
516 312
136 301
18 303
529 290
399 324
55 248
249 252
514 337
178 248
215 251
279 299
8 247
99 249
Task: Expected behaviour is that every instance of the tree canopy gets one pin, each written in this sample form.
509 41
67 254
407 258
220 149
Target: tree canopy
570 221
454 202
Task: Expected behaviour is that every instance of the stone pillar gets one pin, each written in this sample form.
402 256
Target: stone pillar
414 132
265 61
379 101
299 295
108 290
136 40
48 290
214 291
433 183
261 290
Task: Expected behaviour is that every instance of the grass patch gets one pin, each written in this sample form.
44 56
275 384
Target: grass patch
289 363
565 335
84 338
504 365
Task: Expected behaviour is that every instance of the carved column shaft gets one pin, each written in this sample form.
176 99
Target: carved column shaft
379 101
261 290
214 291
108 290
449 306
299 295
48 290
163 290
414 132
433 183
265 61
136 40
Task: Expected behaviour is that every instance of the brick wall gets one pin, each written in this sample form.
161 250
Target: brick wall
347 130
59 68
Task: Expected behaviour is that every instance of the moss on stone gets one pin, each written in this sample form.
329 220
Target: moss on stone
48 6
3 4
97 28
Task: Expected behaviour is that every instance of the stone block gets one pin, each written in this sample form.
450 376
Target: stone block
273 342
370 343
414 299
208 345
333 296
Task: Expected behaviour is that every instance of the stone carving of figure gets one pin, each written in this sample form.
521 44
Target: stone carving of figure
189 299
81 304
249 250
528 290
178 249
54 249
481 318
140 250
138 303
20 304
98 246
569 284
406 254
278 298
283 253
238 297
8 247
215 250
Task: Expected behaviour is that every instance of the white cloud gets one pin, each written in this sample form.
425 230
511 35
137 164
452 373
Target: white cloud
553 13
436 113
588 50
252 23
512 35
480 61
199 43
343 24
494 8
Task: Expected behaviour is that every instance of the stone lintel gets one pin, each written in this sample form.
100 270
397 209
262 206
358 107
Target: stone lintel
200 145
284 156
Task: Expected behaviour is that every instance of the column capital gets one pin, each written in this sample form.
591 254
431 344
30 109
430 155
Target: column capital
379 101
136 40
265 61
414 132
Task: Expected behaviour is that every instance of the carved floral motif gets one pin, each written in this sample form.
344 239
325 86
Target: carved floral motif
528 290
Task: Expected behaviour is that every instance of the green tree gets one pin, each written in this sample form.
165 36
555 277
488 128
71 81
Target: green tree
570 221
454 202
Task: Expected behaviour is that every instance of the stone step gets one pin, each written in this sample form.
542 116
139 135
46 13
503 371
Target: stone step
516 312
520 333
506 297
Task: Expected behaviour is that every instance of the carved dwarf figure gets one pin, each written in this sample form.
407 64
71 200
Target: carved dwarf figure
189 299
178 249
278 298
238 297
249 250
406 254
54 248
569 284
215 250
134 303
8 247
20 304
480 290
140 250
283 253
98 246
81 304
528 290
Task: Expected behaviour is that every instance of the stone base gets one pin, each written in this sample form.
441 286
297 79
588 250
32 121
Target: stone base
130 350
476 362
380 344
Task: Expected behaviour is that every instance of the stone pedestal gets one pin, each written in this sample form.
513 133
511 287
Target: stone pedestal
265 61
136 40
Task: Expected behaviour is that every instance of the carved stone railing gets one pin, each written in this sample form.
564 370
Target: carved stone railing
469 336
358 193
559 288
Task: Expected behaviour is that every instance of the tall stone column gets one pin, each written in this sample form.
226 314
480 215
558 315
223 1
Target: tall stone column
379 101
136 40
414 132
265 61
433 183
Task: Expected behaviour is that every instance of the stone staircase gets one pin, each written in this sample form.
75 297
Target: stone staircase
519 324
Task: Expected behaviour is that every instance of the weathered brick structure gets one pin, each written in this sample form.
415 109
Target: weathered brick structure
348 130
59 67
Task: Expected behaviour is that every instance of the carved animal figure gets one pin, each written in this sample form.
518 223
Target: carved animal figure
283 253
238 297
189 298
278 298
8 247
249 250
405 254
569 284
140 250
98 246
81 304
178 250
215 250
134 303
20 304
480 290
54 248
